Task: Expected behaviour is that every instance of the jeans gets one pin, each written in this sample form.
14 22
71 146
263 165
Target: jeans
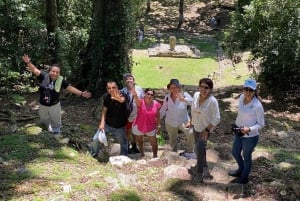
200 149
118 135
242 152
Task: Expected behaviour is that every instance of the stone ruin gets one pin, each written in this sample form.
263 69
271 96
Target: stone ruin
174 50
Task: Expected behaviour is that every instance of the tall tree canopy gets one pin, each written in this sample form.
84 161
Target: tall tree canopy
270 29
91 40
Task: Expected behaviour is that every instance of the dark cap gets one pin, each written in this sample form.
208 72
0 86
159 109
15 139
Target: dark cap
175 82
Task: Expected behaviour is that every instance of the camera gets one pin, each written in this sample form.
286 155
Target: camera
236 130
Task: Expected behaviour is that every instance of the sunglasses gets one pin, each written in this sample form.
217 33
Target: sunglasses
149 94
248 89
110 87
204 87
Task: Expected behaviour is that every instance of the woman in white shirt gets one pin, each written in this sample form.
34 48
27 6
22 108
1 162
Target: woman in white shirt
205 116
174 109
249 121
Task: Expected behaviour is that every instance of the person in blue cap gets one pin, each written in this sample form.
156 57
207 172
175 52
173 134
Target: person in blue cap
249 121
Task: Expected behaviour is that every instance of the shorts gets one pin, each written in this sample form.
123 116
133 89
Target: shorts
128 125
135 131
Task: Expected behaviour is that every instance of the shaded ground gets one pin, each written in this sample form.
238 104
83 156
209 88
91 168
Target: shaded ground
268 181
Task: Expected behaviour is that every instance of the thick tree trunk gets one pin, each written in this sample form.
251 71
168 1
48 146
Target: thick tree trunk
51 23
106 57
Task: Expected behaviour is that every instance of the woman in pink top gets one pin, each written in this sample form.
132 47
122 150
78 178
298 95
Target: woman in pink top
147 121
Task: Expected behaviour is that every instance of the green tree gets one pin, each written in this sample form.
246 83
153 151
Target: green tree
270 29
108 52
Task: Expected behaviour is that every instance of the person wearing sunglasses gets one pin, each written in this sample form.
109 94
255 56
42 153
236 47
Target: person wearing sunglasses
205 117
147 122
174 109
250 119
114 115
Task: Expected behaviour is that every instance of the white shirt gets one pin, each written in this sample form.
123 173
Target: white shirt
140 94
176 112
206 113
250 115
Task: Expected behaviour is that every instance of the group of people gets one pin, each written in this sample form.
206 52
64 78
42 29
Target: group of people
146 115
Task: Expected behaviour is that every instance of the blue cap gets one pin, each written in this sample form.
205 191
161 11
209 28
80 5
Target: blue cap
250 83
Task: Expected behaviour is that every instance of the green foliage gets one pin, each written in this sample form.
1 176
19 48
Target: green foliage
270 29
11 81
23 30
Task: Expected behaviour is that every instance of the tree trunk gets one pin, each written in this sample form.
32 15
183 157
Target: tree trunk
51 23
107 52
180 18
148 6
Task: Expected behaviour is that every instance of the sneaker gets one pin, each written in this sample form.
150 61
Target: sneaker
198 179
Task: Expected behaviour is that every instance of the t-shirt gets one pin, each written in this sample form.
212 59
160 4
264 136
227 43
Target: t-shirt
48 95
146 116
116 115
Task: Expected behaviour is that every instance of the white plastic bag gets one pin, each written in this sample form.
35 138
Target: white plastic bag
100 135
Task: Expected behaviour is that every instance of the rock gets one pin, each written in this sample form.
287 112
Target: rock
176 171
119 161
180 51
282 134
275 184
283 165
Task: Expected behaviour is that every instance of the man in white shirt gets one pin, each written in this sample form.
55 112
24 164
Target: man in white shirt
130 85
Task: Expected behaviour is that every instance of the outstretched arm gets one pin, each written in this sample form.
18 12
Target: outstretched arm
30 66
77 92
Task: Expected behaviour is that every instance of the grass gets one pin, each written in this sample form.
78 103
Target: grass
156 72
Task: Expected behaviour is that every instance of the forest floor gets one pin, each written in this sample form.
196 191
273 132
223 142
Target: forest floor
34 166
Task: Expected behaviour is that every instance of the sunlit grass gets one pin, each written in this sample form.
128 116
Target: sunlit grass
156 72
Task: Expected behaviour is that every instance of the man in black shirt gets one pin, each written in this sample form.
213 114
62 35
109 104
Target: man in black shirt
114 115
49 89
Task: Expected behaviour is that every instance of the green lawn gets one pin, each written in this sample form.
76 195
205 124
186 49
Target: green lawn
156 72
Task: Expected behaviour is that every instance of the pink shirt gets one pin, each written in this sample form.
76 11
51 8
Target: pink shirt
146 116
